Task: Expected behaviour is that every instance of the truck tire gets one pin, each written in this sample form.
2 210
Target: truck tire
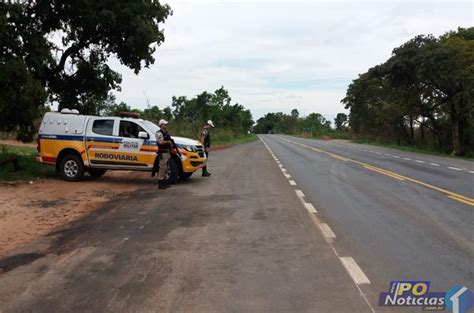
174 171
185 175
71 168
96 172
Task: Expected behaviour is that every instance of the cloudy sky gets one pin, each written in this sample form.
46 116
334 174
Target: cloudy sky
274 56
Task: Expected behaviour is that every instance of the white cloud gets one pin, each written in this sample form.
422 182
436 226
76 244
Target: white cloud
280 55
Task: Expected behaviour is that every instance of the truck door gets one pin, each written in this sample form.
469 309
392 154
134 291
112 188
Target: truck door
101 144
137 148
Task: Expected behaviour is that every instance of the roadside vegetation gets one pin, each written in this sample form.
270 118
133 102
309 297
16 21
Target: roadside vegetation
421 99
187 116
27 166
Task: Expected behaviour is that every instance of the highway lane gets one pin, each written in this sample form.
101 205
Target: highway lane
395 228
239 241
448 173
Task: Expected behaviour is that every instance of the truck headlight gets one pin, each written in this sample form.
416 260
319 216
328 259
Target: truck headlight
188 148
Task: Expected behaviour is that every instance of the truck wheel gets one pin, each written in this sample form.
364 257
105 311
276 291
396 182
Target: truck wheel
71 168
185 175
174 171
96 172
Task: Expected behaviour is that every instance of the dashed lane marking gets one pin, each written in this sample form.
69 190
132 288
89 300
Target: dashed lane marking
310 207
455 168
299 193
354 270
326 230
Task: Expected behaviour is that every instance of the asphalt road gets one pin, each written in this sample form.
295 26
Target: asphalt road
401 215
282 225
239 241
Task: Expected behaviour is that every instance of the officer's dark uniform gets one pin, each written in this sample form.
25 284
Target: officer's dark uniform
207 144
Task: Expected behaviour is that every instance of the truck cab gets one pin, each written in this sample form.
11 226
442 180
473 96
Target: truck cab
76 144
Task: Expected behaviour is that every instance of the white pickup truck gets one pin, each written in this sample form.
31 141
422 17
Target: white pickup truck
76 144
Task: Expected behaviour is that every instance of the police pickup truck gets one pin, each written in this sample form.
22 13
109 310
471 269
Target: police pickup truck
77 143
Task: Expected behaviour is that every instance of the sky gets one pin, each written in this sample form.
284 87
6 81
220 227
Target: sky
275 56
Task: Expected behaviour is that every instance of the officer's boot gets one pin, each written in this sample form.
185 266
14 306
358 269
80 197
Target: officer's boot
166 183
205 173
161 184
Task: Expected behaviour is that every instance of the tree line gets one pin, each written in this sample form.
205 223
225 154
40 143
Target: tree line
313 125
188 115
422 95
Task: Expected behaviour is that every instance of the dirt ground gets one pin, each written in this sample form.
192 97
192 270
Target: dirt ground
29 210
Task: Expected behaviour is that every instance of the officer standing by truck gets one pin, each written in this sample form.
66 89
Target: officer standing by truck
164 142
206 141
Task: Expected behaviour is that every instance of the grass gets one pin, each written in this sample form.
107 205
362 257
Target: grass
232 140
430 151
29 167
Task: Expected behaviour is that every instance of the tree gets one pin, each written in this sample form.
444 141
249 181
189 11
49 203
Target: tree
427 84
59 50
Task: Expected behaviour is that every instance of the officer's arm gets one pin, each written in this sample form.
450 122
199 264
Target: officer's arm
159 139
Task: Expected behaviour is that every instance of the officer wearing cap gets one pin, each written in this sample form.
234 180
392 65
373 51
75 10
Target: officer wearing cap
206 141
164 142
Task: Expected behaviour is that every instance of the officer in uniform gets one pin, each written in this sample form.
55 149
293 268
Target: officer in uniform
206 141
163 140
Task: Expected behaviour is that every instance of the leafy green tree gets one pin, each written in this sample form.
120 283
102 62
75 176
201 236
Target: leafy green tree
427 84
59 51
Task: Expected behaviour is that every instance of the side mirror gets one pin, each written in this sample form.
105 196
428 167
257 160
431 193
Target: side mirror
143 135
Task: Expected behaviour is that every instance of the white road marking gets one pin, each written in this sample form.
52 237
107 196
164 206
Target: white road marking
141 227
283 170
396 156
388 154
310 207
378 152
292 183
472 172
280 165
358 277
287 175
434 164
408 159
372 151
455 168
326 230
299 193
419 161
354 270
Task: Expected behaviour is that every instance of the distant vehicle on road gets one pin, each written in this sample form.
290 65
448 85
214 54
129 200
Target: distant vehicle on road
77 143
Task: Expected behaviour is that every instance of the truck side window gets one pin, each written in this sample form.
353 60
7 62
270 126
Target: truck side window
129 129
103 127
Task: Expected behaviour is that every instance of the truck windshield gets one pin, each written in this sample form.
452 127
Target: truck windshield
152 126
